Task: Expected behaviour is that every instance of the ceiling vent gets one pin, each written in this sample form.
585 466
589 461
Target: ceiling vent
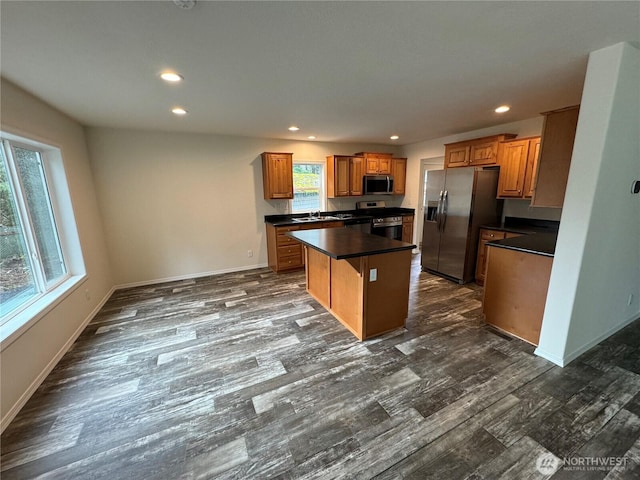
185 4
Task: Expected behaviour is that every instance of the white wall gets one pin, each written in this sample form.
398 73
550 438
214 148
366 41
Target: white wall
597 262
180 205
26 360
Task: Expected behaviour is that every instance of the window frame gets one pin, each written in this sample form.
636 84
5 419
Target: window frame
49 294
323 185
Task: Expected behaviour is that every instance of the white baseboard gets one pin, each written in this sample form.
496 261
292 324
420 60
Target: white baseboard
550 356
188 276
566 359
579 351
24 398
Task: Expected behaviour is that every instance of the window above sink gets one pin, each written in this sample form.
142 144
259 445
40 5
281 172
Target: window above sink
308 187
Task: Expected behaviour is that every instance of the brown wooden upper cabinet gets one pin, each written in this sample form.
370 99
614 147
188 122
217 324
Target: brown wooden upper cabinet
345 172
518 160
399 172
344 175
558 134
376 163
277 175
476 152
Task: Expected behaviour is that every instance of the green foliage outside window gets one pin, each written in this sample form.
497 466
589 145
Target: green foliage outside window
307 187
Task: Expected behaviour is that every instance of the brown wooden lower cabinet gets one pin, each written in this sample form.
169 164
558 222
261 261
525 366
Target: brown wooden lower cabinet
284 253
515 291
407 228
485 236
366 308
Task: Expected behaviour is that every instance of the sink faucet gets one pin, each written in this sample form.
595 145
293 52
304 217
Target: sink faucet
314 214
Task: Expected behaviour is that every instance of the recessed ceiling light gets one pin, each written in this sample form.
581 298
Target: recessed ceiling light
394 137
172 77
179 111
502 109
185 4
311 137
293 128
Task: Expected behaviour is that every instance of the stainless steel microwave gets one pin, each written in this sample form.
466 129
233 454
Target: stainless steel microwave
377 184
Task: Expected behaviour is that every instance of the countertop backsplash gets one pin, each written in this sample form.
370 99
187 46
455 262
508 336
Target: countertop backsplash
522 209
349 203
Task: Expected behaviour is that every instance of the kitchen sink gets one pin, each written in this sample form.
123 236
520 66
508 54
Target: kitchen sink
314 219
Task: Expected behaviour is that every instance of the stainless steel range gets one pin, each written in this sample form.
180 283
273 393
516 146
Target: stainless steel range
390 227
384 225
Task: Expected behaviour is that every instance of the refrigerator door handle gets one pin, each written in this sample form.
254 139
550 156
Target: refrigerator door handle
445 200
439 210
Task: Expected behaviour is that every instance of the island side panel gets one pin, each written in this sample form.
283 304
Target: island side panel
347 292
515 291
386 300
318 276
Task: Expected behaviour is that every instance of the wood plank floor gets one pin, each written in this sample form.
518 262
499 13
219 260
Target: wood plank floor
245 376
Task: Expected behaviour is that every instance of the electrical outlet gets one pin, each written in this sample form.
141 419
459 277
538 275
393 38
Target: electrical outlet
373 274
87 294
249 253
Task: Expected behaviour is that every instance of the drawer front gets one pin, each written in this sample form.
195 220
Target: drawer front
491 235
281 237
290 261
290 250
291 228
283 240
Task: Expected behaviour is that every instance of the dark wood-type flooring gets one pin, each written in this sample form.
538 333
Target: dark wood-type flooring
245 376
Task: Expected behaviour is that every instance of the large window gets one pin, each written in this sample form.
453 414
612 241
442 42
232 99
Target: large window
308 187
31 259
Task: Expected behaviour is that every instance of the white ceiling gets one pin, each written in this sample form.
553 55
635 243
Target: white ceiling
343 71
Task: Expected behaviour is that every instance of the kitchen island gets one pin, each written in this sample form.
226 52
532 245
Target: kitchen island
361 279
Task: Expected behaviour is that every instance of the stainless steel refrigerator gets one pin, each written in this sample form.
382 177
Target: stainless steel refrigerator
457 202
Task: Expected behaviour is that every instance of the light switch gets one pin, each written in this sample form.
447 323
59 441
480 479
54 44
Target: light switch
373 274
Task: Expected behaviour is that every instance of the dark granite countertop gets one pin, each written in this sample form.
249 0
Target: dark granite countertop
525 226
341 216
340 243
539 244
